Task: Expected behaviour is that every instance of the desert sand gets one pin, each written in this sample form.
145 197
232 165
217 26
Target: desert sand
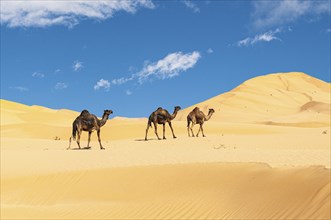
266 156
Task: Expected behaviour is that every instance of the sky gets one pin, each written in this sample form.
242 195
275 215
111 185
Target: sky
133 56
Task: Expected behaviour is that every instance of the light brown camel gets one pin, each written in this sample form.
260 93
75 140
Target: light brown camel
197 117
88 122
161 116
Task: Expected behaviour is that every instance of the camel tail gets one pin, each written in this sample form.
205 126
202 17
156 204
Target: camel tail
74 131
188 121
150 121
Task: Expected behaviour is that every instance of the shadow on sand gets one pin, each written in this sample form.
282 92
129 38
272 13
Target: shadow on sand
82 148
152 139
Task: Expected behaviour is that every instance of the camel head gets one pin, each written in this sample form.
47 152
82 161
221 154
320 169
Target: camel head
107 112
177 108
211 110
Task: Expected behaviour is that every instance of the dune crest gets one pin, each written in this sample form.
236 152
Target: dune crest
319 107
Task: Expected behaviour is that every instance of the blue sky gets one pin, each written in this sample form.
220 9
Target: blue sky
136 55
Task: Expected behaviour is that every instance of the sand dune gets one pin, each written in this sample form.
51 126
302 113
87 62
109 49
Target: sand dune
268 98
266 156
291 99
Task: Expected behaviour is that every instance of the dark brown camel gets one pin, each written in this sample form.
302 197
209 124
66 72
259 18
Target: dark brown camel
197 117
161 116
88 122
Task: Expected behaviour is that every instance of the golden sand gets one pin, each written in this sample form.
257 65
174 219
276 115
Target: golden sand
266 156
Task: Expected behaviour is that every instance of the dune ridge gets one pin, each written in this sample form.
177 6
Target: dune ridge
271 97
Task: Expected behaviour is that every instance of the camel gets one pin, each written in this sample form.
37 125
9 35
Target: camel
197 117
88 122
161 116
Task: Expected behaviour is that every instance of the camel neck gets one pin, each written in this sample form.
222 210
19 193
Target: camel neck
103 120
174 114
208 116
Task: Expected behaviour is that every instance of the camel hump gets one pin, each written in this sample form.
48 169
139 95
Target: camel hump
196 109
84 113
159 108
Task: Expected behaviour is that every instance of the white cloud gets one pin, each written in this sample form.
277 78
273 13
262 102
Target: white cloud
274 13
38 75
20 88
30 13
265 37
60 85
128 92
210 50
102 83
169 66
77 65
192 6
328 30
121 80
57 71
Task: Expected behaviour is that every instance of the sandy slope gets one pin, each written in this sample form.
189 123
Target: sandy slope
290 99
191 191
266 156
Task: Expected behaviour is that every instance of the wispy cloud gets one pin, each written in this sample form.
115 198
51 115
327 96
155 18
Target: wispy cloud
128 92
170 66
210 50
20 88
265 37
192 6
102 84
38 75
77 65
30 13
60 85
268 14
121 80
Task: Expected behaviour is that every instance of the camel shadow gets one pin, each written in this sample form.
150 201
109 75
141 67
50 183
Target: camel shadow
82 148
143 139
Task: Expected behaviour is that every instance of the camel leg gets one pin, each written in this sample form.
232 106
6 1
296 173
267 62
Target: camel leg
192 129
172 130
188 131
201 128
155 130
203 134
99 139
146 132
164 131
78 138
69 143
199 131
188 127
89 138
